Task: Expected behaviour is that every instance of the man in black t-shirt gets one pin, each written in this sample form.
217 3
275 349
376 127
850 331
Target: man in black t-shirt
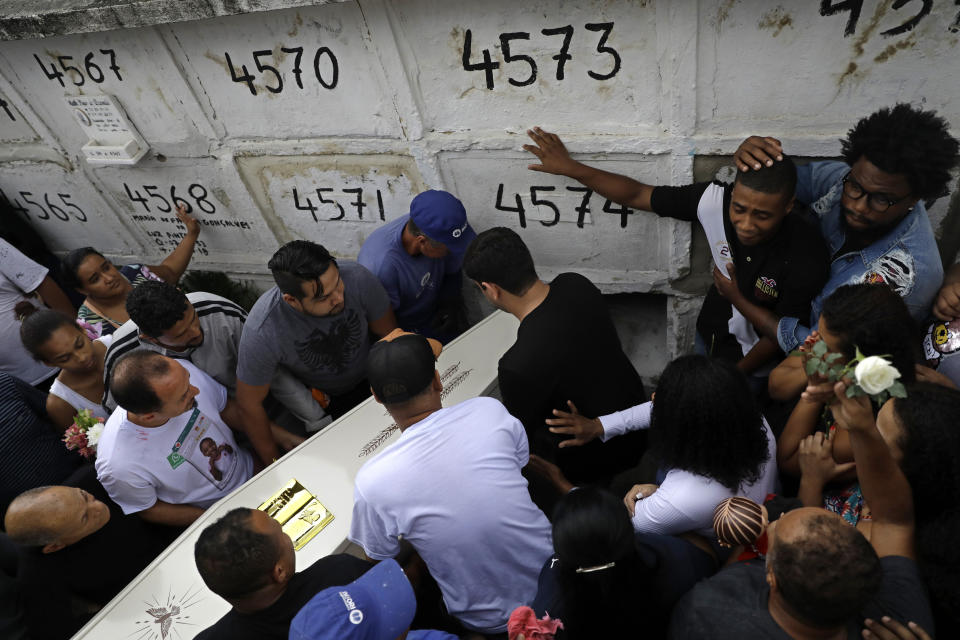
822 577
247 559
567 350
771 264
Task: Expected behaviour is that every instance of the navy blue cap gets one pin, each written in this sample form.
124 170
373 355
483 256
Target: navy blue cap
442 217
379 605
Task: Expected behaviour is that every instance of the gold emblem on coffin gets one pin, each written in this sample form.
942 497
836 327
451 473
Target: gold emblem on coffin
300 514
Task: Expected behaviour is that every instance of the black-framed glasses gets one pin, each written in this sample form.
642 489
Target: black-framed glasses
876 201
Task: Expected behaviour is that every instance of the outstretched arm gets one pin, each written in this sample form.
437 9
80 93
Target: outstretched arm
583 429
554 158
172 268
885 487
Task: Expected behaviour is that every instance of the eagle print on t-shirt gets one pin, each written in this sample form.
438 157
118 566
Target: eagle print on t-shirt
333 350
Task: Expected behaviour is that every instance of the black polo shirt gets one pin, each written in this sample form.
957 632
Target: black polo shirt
783 274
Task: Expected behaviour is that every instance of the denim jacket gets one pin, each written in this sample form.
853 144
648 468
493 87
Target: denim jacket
907 258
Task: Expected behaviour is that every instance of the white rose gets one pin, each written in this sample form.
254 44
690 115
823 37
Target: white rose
874 374
94 433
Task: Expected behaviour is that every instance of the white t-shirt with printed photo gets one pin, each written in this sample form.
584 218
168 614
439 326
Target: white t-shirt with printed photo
192 459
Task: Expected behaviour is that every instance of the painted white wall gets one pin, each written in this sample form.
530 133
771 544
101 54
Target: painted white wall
397 113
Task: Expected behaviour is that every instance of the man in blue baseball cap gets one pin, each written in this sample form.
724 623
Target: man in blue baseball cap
417 257
377 606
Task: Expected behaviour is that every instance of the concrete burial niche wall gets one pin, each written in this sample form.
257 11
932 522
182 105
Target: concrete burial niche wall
294 119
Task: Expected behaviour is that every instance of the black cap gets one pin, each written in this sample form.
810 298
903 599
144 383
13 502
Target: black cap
400 367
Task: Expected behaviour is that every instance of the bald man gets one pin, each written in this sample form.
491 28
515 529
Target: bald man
55 517
76 546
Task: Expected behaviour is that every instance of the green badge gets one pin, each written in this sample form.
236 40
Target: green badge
175 459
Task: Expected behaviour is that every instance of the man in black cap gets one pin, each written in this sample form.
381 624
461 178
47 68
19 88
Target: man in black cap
450 486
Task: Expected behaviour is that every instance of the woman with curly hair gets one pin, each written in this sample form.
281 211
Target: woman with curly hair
707 436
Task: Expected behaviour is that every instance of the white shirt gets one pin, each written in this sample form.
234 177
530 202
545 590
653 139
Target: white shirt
19 276
451 486
685 501
74 398
191 459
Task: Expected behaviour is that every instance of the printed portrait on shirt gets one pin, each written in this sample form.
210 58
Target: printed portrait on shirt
208 450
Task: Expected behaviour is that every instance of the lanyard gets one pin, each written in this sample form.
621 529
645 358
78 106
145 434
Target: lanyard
175 459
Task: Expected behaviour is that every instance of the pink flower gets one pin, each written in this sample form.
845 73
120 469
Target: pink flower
524 621
83 434
75 438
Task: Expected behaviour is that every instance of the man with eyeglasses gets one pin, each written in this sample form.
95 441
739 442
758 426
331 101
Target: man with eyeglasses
871 206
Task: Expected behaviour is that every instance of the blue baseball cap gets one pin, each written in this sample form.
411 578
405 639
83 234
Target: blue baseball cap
379 605
442 217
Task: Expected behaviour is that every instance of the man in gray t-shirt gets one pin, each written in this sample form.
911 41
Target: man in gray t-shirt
315 324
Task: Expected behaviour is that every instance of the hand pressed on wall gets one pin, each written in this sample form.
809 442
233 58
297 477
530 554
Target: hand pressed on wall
193 227
553 155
